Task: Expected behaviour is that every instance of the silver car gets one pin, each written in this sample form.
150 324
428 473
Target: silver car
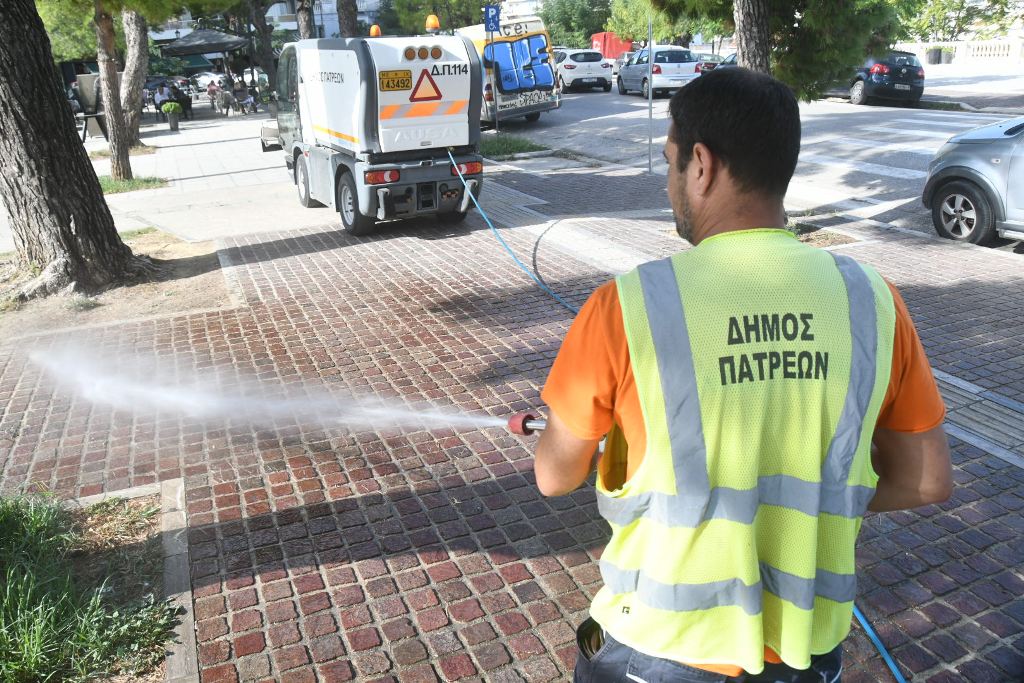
975 186
673 68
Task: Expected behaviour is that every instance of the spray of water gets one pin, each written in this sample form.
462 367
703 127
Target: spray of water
140 384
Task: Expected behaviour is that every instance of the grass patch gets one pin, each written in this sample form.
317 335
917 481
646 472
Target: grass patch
111 186
501 145
137 150
78 594
132 234
82 303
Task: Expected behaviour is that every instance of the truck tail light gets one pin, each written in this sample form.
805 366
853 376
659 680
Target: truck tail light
568 66
488 93
656 70
381 177
880 69
472 168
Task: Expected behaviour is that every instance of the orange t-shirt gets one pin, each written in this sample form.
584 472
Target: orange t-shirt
591 385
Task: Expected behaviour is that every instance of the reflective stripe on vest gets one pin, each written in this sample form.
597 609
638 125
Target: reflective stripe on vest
696 502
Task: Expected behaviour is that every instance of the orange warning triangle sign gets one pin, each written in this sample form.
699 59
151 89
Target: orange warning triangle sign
426 89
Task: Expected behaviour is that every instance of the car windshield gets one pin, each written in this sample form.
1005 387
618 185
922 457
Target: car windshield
586 57
672 57
902 59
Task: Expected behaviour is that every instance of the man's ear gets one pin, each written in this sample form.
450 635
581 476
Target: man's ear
705 168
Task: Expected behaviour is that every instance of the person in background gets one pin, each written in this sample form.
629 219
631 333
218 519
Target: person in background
213 92
161 95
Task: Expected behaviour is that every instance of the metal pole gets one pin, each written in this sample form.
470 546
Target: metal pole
494 83
650 94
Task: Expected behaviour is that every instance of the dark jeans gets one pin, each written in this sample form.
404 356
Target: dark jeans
614 662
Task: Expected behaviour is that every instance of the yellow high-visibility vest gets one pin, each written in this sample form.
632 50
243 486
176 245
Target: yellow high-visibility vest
761 365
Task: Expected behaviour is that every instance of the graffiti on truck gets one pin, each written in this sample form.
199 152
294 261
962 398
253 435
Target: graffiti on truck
521 65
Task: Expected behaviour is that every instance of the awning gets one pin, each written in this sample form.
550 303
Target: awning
202 41
196 62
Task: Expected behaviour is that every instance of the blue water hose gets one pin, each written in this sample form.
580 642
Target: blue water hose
856 610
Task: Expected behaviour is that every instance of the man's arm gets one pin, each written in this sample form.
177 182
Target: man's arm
563 461
914 469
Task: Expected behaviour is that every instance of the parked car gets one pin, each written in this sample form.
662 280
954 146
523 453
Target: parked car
728 61
202 80
969 189
708 61
583 68
896 76
673 68
620 61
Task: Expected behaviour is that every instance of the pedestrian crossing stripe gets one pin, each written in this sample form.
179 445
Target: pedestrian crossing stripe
426 89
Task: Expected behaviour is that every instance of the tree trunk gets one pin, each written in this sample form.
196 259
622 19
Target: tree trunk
120 165
304 15
59 219
348 25
264 48
136 64
753 41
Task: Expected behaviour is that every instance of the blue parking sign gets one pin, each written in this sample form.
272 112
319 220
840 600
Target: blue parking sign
492 18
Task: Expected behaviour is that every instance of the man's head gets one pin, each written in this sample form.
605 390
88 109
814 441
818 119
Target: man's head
732 149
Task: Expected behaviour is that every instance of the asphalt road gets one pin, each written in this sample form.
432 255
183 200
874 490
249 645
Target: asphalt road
868 161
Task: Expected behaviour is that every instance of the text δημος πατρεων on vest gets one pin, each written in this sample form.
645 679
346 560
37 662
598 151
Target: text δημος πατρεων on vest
761 366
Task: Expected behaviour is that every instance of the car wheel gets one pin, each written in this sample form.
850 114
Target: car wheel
914 103
302 183
607 87
533 116
857 93
961 211
645 89
352 221
561 85
622 88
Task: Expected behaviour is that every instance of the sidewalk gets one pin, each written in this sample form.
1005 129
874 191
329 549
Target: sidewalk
419 555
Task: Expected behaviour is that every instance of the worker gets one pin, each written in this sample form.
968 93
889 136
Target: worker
751 388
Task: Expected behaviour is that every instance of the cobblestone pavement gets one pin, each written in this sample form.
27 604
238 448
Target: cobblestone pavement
324 553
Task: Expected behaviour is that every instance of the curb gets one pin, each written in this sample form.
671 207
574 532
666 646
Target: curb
181 659
525 155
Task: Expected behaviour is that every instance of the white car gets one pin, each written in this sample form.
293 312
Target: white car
673 68
583 69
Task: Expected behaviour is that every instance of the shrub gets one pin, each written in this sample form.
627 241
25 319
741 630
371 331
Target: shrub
171 108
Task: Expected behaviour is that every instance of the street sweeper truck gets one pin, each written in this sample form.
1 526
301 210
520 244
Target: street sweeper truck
366 125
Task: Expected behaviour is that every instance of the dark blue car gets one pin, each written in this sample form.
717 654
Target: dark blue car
897 76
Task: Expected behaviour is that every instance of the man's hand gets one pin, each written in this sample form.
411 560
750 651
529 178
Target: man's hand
913 469
563 460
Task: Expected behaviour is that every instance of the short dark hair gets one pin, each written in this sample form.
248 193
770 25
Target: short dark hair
749 120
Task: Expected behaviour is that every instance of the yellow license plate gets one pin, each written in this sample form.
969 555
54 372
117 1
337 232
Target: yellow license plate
395 80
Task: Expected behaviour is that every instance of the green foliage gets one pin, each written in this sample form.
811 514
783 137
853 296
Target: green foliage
572 22
170 108
406 17
69 24
111 186
629 20
949 20
167 66
53 627
812 42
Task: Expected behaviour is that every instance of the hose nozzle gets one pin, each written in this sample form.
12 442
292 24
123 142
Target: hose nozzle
526 424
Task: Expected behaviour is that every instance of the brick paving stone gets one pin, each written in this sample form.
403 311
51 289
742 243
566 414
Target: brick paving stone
436 537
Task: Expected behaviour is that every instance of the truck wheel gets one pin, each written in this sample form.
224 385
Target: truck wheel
302 183
535 116
352 221
452 217
622 88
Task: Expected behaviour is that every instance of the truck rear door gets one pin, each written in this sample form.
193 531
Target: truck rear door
423 91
